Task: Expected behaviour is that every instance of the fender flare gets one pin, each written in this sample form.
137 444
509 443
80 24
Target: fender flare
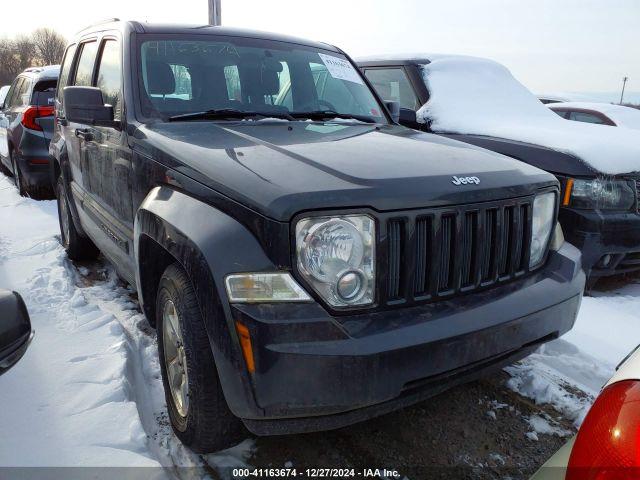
209 245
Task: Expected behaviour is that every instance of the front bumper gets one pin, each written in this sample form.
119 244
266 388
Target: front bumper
316 372
609 241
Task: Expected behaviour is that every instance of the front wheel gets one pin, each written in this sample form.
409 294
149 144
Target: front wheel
77 246
197 408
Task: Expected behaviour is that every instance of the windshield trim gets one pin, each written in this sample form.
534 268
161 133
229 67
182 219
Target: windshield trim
136 63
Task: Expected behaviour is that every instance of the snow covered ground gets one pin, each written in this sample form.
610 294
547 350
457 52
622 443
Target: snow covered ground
569 372
88 391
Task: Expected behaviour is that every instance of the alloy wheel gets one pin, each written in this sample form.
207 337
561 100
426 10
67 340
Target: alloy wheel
175 358
63 210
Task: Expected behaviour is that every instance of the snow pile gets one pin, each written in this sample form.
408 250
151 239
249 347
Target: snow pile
547 426
471 95
568 373
622 116
88 392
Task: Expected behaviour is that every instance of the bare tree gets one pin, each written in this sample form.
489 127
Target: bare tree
25 51
9 64
49 45
44 46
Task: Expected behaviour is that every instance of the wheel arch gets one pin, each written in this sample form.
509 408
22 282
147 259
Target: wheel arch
208 244
59 168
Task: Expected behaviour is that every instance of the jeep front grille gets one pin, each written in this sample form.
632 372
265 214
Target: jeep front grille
442 252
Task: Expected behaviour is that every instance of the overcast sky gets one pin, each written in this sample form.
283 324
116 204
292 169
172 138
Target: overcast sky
550 45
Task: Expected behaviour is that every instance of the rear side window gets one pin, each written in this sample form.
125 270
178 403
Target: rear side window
63 81
44 93
392 84
20 97
585 117
110 76
84 71
12 92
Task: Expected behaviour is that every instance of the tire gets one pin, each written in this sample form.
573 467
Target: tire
17 175
77 246
5 170
201 419
38 192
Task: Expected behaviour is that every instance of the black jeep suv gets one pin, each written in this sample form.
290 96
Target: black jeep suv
26 125
307 262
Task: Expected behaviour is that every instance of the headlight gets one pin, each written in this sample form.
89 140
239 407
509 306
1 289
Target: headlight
544 207
600 193
336 255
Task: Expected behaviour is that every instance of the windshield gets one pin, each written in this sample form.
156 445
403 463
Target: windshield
188 76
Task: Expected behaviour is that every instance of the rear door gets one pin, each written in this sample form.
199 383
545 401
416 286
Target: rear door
18 103
82 75
4 122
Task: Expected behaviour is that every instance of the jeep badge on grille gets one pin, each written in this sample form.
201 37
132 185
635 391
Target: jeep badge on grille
465 180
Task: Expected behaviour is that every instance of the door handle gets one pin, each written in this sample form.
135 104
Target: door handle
84 133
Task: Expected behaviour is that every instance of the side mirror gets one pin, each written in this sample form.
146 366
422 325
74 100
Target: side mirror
85 105
394 110
15 329
408 116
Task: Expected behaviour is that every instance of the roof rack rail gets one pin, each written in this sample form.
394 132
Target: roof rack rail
100 22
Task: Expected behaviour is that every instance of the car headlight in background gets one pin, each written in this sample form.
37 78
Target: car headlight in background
599 193
544 207
558 238
336 256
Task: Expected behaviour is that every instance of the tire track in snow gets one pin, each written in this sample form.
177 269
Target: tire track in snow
111 296
101 354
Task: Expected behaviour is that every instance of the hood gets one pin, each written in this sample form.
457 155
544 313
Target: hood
475 96
282 168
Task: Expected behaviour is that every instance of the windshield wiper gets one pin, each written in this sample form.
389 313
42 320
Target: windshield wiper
228 113
324 114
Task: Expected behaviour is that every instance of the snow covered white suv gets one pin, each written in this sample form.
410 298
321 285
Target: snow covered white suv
308 263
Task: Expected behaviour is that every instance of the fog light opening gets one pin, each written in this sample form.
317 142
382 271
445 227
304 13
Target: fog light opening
605 261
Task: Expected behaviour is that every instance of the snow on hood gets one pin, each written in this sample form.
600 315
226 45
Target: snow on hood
622 116
476 96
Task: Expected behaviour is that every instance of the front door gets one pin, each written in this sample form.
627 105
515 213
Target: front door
107 165
73 132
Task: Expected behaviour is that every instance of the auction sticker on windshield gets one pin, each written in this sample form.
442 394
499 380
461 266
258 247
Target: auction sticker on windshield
341 68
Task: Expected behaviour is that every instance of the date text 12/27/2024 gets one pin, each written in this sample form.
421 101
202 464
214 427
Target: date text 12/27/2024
315 473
